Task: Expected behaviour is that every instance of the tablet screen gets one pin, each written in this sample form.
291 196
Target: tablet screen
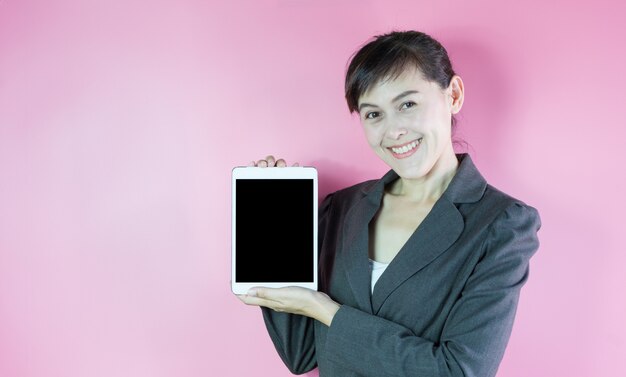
274 227
274 230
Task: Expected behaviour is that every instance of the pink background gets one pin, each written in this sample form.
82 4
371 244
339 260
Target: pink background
121 120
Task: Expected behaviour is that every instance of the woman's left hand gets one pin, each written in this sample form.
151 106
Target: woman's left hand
294 300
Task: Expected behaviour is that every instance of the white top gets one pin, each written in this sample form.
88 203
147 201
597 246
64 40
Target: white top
377 269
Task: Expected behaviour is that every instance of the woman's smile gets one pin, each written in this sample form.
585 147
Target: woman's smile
405 150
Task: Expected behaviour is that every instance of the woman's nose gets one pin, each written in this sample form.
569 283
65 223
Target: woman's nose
396 130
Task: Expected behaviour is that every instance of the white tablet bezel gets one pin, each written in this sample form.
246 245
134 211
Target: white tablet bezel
249 172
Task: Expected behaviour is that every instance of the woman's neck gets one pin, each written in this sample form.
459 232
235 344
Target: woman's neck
430 187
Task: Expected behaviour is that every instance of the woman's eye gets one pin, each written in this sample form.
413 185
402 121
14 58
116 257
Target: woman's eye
406 105
372 115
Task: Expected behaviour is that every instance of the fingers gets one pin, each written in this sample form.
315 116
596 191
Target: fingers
254 298
267 163
270 161
295 300
264 295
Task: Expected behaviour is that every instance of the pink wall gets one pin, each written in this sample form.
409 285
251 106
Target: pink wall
120 122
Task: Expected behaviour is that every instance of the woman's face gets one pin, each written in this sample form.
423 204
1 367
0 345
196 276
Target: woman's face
407 122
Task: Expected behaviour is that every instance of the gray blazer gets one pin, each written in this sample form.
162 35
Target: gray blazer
444 306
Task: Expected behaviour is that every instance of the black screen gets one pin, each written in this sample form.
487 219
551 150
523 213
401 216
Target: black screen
274 230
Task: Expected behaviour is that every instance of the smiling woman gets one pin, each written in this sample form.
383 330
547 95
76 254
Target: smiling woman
420 271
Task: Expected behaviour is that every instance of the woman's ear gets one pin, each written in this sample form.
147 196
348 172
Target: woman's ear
456 92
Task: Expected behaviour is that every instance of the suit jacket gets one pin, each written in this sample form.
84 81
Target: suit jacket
444 306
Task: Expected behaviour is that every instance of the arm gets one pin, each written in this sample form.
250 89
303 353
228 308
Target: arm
293 339
477 328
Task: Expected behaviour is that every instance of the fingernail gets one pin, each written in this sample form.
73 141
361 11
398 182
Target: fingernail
252 292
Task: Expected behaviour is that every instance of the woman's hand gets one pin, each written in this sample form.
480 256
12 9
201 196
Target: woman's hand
270 162
296 300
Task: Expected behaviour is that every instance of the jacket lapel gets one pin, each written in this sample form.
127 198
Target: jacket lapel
355 247
355 253
437 232
356 241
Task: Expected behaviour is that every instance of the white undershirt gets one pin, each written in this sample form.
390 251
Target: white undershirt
377 269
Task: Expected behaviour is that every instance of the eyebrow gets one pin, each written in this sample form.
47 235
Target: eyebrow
399 96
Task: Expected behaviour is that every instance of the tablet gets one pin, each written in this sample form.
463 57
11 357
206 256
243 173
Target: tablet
274 227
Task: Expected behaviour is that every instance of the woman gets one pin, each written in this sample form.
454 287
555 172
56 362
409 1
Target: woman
420 271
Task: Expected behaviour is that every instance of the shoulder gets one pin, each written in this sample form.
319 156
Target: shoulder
471 190
512 220
506 204
494 211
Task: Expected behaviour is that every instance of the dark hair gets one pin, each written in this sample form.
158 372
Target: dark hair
388 56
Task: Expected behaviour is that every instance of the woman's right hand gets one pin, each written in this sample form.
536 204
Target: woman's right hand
270 162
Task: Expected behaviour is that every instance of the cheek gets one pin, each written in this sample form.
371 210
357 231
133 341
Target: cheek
373 136
443 112
438 120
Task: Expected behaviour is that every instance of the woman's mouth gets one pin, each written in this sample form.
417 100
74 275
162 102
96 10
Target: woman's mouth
404 151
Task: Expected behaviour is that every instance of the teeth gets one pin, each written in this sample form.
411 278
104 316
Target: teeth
406 148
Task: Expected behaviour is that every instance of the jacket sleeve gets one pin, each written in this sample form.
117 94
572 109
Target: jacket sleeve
477 329
292 334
